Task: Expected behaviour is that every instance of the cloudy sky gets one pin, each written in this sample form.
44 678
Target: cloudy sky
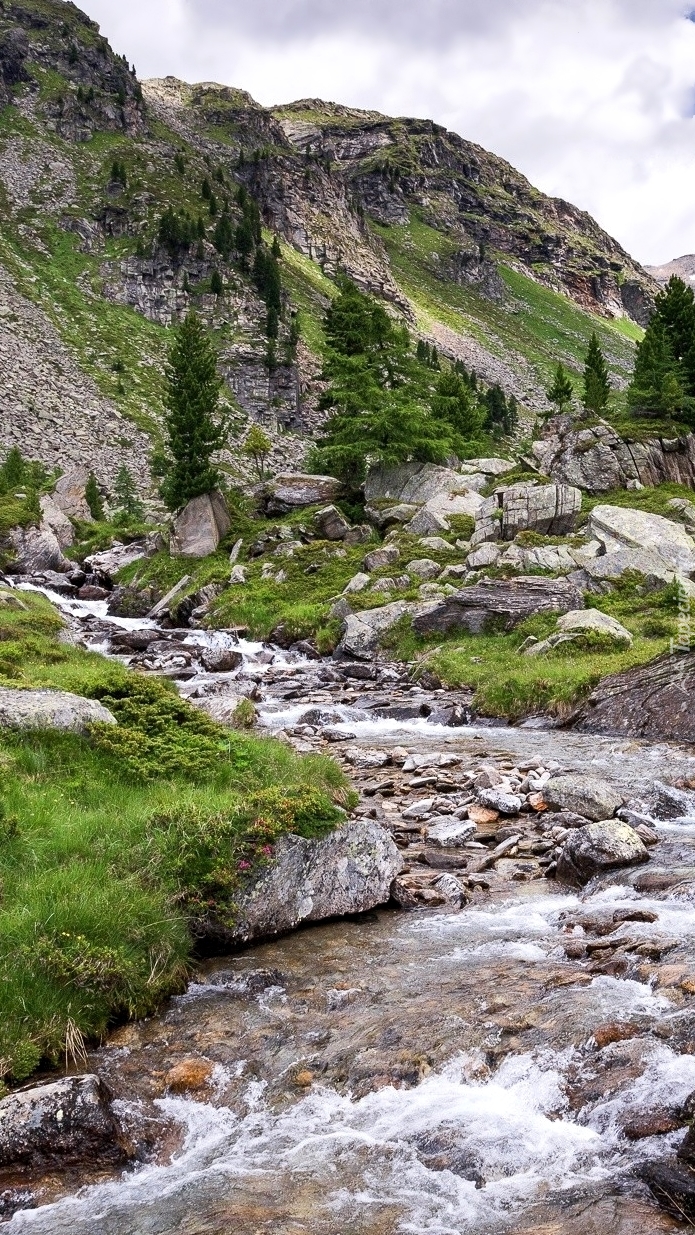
593 100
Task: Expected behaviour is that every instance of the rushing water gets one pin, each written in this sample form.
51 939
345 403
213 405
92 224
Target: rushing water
410 1072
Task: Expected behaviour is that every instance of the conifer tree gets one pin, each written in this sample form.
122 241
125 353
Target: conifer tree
657 387
92 496
193 428
454 402
129 506
561 391
596 384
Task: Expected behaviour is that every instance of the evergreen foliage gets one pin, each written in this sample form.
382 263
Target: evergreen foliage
502 413
223 238
216 285
93 498
193 429
177 232
597 387
663 382
248 232
561 391
119 173
257 448
266 276
376 394
128 505
455 403
180 163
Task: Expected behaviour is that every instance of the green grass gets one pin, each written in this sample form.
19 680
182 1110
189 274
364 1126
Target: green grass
113 843
311 291
651 500
510 686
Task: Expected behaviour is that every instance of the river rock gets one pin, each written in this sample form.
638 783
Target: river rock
672 803
673 1185
499 800
599 847
447 832
220 660
592 620
50 709
69 1119
618 527
349 871
651 701
504 601
364 630
291 490
200 526
56 521
331 524
37 550
590 796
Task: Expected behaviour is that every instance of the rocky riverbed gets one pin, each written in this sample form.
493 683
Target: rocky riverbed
495 1049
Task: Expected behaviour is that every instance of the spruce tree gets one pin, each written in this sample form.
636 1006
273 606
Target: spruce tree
129 506
193 429
561 391
596 384
657 386
454 402
675 309
92 497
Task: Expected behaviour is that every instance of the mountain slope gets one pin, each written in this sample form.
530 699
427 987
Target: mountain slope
457 242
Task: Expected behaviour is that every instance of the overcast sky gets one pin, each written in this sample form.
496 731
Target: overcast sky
592 99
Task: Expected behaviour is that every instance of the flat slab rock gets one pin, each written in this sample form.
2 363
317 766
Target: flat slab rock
651 701
590 796
67 1119
50 709
349 871
508 601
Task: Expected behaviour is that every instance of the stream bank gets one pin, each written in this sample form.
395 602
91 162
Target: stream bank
507 1065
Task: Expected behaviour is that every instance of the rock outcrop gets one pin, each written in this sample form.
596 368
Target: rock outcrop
50 709
494 603
598 460
200 526
545 509
651 701
349 871
619 527
37 550
364 631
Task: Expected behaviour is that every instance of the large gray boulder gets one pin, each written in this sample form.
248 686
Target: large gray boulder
50 709
589 796
364 631
349 871
506 602
618 527
436 514
597 574
331 524
68 1120
412 482
652 701
600 846
37 550
593 621
291 490
54 520
200 526
487 467
546 509
69 492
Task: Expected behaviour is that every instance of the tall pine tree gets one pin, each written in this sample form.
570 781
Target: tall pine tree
193 428
657 387
675 309
561 391
597 387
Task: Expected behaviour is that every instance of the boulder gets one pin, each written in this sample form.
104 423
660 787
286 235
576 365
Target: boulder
111 560
238 575
561 559
331 524
424 568
488 467
598 460
504 601
66 1120
200 526
497 799
363 631
69 496
589 796
672 803
291 490
50 709
412 483
37 550
439 510
447 832
673 1185
387 555
651 701
390 516
220 660
357 584
485 555
593 621
599 847
618 527
349 871
598 573
56 521
550 510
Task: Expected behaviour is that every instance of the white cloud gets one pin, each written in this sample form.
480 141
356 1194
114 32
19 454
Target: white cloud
591 99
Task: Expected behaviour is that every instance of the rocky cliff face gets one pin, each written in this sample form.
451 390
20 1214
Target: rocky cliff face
459 244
